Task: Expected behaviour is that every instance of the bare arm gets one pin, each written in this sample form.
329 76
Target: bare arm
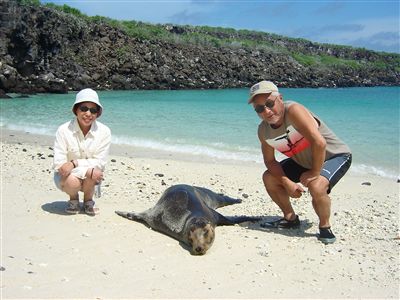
275 169
306 125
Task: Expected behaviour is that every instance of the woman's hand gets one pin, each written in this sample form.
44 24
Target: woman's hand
66 169
95 174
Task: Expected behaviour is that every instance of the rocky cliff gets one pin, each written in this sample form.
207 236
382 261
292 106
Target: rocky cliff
43 49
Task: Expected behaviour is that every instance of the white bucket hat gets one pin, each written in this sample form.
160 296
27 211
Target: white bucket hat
87 95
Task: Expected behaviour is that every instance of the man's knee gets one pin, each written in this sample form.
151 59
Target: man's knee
270 181
318 188
266 177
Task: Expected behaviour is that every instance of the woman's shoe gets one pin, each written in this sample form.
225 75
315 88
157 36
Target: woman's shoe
89 208
73 207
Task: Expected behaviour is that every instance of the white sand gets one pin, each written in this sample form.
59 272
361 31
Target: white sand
47 254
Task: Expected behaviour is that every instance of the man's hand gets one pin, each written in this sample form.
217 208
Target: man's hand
293 189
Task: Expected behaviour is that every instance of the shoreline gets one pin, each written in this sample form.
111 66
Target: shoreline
130 151
47 254
123 150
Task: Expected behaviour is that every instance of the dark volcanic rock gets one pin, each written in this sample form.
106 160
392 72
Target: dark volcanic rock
46 50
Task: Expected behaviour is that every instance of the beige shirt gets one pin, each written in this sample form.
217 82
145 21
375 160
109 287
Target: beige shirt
90 151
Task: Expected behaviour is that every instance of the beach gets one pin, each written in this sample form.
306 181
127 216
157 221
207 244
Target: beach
49 254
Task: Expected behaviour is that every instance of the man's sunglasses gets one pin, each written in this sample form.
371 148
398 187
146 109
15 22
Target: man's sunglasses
84 108
268 104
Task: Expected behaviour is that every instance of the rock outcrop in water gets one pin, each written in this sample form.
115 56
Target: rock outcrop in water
46 50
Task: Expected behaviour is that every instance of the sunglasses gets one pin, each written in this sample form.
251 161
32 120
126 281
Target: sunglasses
84 108
268 104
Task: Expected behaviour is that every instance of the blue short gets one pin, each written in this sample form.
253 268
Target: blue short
333 169
57 180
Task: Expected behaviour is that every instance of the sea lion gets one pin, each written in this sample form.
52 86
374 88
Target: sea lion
187 213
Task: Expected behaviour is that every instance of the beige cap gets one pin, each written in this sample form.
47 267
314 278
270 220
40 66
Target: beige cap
87 95
263 87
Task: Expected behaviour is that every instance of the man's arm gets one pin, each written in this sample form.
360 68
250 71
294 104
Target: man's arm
275 169
307 126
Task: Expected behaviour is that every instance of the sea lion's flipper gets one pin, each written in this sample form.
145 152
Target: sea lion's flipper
214 200
130 215
232 220
226 200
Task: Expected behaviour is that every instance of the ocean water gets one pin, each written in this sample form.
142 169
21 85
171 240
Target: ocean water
221 125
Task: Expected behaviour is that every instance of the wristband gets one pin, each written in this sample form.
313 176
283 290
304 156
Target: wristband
72 161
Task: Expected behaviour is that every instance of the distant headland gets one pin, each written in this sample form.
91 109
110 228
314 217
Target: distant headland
54 49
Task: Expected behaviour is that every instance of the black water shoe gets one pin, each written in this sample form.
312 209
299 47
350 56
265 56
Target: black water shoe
326 236
283 223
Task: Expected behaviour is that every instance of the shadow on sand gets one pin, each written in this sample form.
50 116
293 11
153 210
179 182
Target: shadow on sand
298 232
57 207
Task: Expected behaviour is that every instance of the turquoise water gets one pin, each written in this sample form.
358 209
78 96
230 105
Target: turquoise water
220 124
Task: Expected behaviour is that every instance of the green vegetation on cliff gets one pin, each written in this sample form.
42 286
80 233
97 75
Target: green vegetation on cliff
49 47
304 52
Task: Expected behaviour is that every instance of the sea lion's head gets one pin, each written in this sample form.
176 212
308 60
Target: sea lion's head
201 235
